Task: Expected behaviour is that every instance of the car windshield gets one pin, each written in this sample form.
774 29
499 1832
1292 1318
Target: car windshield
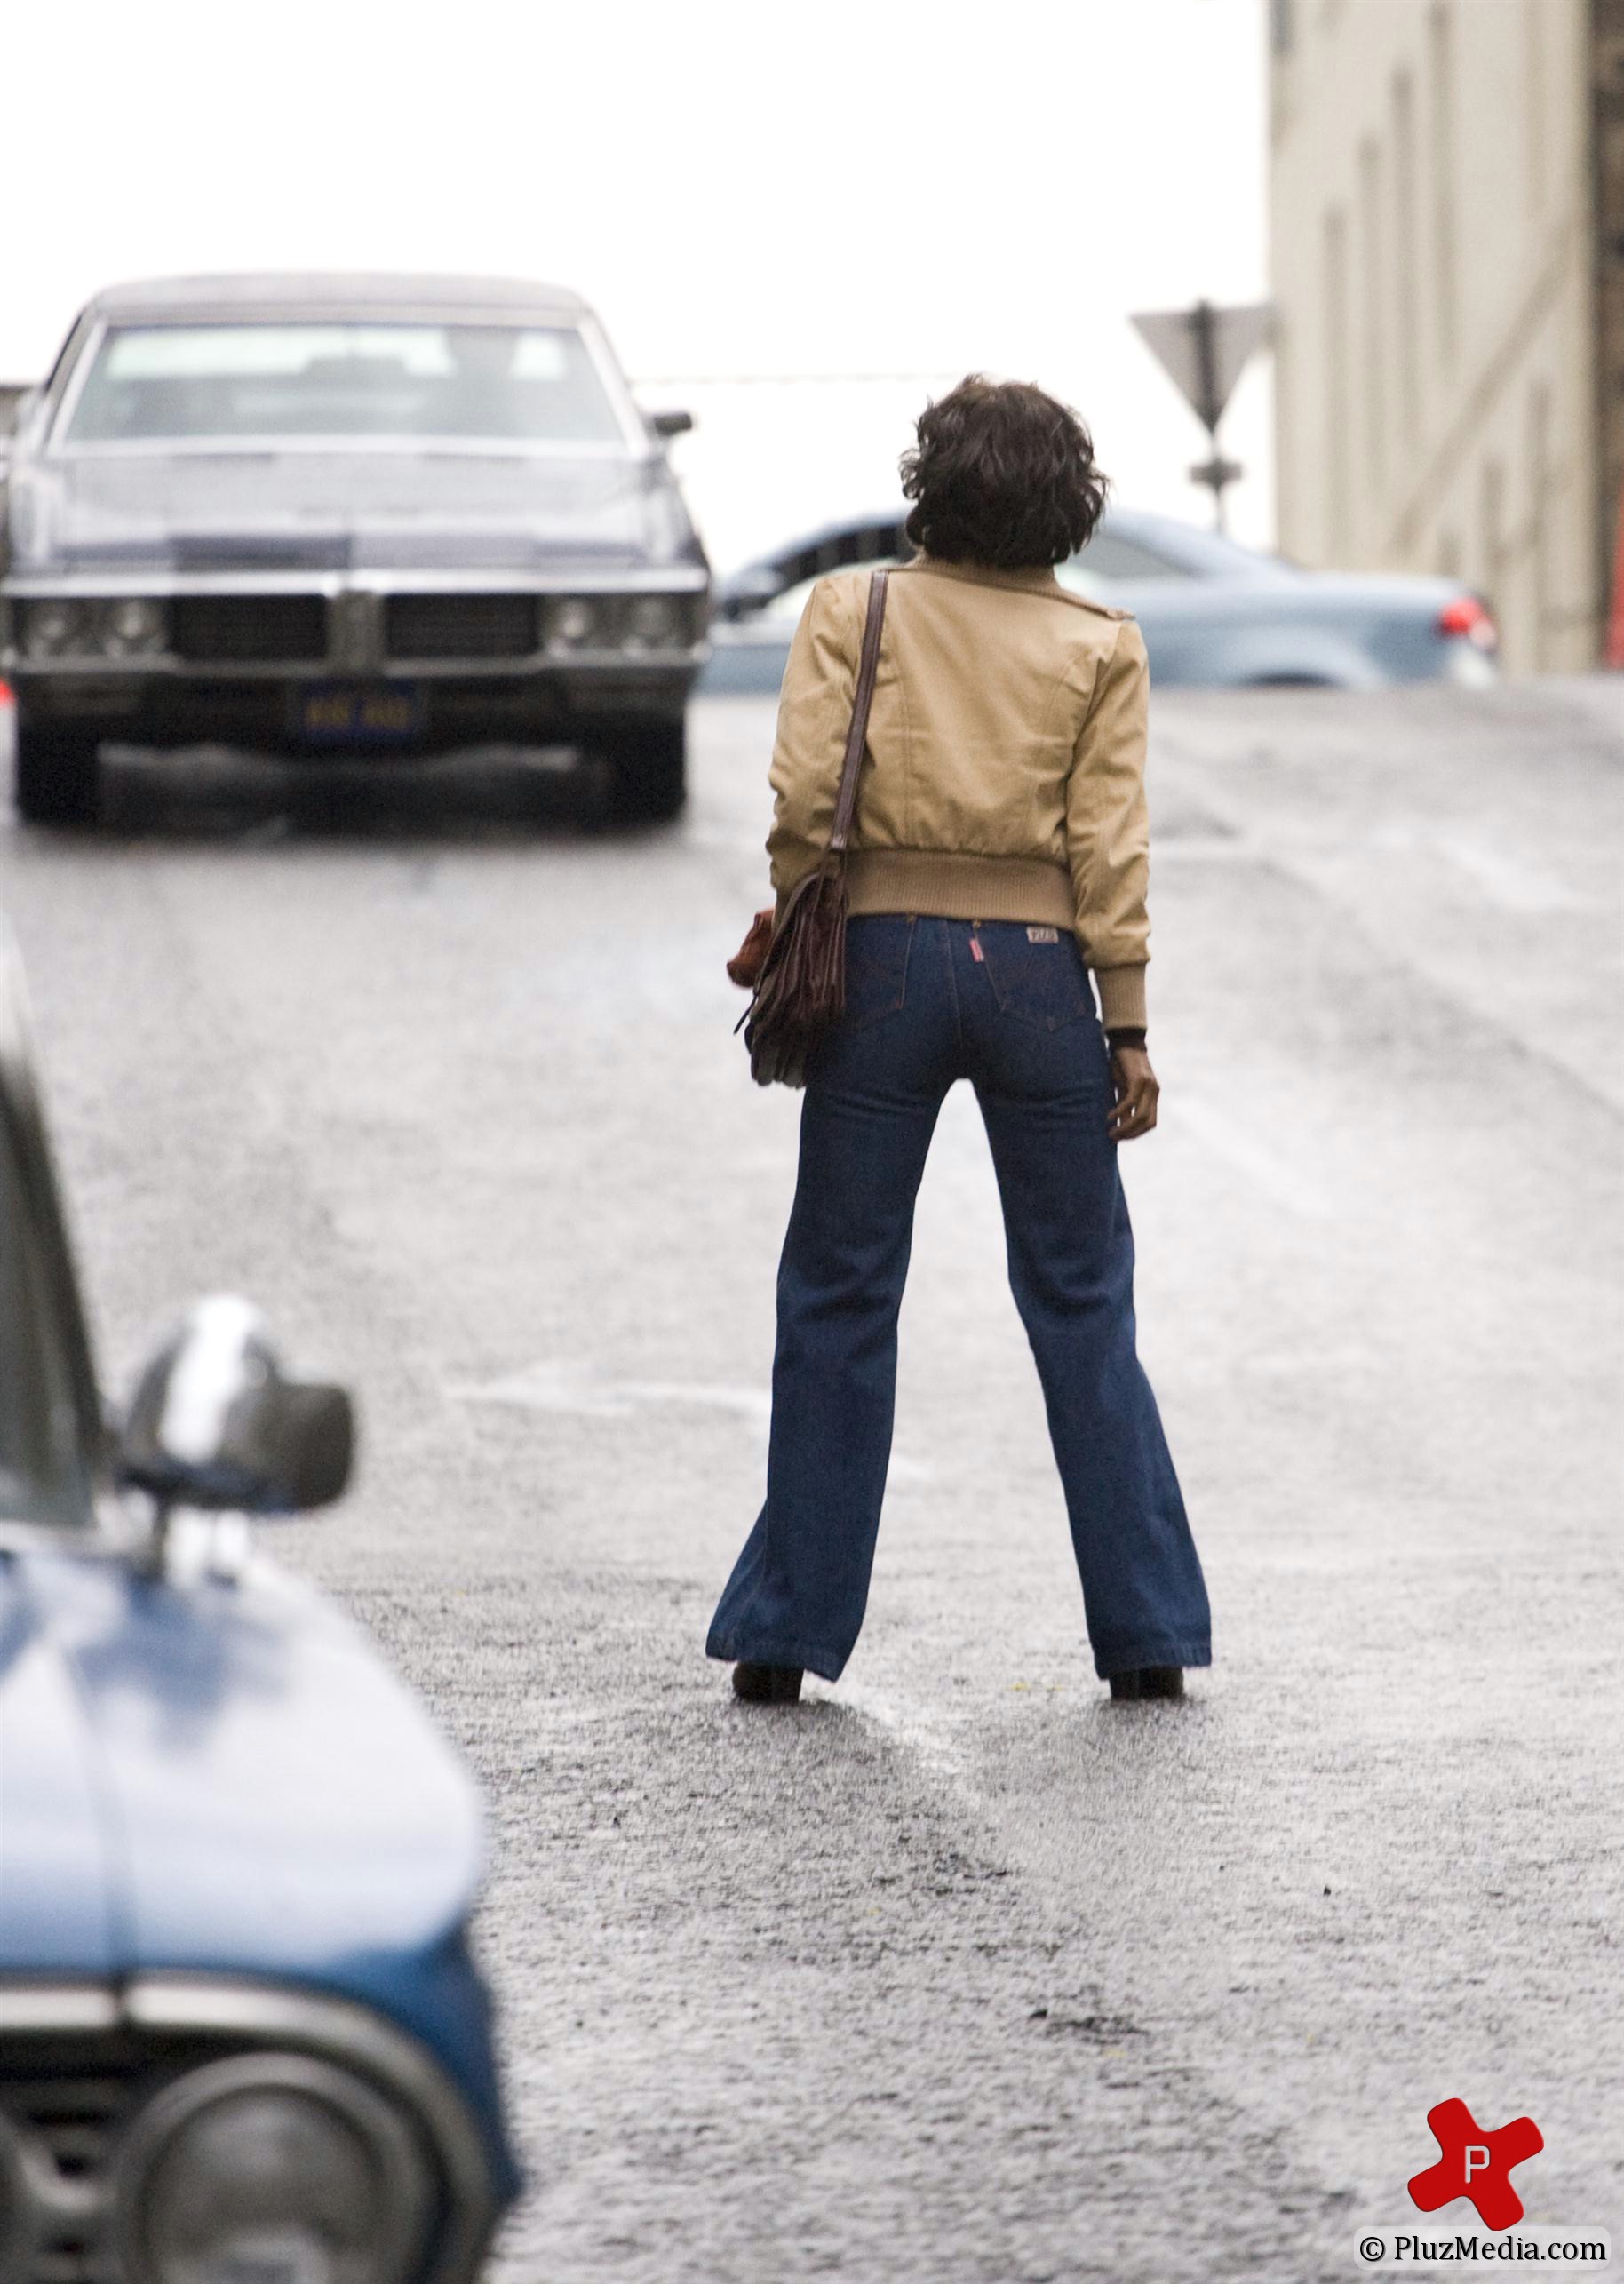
41 1473
535 385
784 608
1159 548
1109 557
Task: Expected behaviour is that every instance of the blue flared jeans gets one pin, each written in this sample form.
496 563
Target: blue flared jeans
1008 1008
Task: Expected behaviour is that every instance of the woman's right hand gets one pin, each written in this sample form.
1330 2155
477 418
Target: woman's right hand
746 965
1133 1084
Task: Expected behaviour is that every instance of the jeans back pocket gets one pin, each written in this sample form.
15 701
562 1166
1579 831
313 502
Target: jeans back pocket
877 948
1037 974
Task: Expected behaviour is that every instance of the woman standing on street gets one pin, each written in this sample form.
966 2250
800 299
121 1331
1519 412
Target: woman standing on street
999 854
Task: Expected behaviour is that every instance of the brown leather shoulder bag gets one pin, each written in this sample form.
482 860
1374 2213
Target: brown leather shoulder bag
800 992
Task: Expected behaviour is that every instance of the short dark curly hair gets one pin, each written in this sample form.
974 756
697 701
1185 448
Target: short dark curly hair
1002 474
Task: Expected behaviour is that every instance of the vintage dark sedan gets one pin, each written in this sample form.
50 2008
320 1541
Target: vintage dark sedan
1214 614
242 2033
326 514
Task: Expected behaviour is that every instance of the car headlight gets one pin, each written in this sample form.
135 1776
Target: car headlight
51 628
276 2167
652 620
575 620
133 625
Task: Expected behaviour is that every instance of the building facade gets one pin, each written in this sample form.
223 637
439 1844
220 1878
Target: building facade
1447 219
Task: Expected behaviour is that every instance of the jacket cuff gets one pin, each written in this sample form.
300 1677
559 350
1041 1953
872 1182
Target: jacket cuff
1122 1000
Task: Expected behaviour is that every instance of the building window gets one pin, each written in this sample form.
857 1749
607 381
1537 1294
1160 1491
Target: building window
1544 612
1492 550
1535 15
1339 490
1441 58
1371 280
1289 491
1407 314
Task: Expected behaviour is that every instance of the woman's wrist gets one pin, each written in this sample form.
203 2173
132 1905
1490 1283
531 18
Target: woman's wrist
1122 1000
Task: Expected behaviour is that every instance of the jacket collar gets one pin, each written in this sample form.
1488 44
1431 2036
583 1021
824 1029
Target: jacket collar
1039 578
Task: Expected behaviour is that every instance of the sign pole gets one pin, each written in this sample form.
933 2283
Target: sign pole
1216 472
1202 351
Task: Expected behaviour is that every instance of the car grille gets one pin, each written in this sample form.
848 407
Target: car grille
460 626
215 629
62 2132
71 2120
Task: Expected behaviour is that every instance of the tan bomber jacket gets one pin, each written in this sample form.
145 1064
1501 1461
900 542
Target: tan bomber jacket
1005 778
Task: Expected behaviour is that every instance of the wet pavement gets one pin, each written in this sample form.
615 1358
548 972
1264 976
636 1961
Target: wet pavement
955 1972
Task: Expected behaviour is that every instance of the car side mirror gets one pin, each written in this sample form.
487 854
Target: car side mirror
670 423
214 1423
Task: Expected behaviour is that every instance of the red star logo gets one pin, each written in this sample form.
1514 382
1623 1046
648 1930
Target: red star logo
1475 2164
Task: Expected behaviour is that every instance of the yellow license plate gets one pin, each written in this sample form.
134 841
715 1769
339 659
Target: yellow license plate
340 713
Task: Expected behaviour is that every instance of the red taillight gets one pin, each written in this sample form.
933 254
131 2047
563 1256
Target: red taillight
1468 617
5 693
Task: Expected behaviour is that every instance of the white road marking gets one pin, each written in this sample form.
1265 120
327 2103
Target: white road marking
1281 1183
1510 884
1507 882
939 1753
554 1384
558 1384
1308 1363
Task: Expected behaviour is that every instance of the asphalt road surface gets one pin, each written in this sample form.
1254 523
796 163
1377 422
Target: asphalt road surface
955 1973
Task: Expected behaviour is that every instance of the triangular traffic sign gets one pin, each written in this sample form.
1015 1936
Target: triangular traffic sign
1203 349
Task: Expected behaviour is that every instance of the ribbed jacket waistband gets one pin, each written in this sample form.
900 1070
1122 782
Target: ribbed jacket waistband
951 886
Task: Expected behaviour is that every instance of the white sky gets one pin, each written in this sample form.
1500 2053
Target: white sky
742 187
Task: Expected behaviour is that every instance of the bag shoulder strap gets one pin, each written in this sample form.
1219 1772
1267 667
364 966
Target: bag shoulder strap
846 801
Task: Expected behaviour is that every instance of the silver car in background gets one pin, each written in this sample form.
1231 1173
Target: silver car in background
326 514
1213 614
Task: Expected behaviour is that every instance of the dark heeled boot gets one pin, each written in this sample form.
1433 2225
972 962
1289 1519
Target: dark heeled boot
767 1684
1149 1680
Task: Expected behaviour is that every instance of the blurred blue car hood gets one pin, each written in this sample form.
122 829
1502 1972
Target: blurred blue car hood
225 1778
216 1775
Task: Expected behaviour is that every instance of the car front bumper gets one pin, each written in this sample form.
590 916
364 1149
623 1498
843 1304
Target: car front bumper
422 664
105 2054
